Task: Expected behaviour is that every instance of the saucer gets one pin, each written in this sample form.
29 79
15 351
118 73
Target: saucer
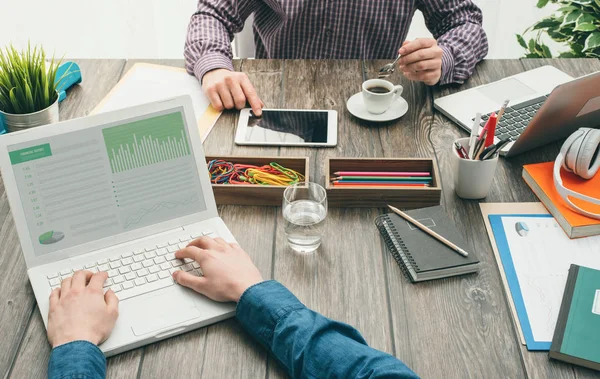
357 108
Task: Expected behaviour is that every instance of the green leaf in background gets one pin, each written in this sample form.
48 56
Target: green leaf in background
572 17
568 8
548 22
597 3
568 54
546 50
585 28
542 3
521 41
585 18
592 41
582 2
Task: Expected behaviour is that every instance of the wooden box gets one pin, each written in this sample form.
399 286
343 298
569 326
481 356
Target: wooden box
242 194
417 197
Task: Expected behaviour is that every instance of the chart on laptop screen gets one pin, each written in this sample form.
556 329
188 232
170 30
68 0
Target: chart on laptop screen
81 186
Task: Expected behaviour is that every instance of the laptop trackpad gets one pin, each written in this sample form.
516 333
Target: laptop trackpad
162 311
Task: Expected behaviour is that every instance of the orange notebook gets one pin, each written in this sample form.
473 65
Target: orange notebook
540 178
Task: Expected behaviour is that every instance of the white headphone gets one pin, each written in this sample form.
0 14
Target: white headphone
580 154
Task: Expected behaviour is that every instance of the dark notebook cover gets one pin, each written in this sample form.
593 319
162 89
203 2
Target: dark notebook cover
420 251
577 329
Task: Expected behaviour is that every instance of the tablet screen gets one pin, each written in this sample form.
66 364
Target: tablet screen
287 127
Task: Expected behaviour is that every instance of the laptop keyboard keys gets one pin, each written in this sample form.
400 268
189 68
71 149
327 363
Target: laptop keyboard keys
140 281
52 276
127 285
54 282
164 274
130 276
66 271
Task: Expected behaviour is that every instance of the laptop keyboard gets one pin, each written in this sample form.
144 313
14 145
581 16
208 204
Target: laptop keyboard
141 270
515 118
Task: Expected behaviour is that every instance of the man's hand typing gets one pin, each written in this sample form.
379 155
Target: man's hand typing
79 310
228 270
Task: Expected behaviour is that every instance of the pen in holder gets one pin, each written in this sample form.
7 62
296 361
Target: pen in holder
472 178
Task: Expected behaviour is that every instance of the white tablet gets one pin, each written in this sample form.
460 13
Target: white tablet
287 127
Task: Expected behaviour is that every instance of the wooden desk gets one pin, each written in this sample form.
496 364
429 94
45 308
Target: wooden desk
453 328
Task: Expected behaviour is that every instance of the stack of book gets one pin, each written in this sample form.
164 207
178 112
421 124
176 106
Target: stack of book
540 178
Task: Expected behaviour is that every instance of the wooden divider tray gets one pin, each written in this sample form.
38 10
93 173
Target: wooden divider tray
243 194
415 197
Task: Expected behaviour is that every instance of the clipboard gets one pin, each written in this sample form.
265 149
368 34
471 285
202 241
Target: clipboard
145 83
508 208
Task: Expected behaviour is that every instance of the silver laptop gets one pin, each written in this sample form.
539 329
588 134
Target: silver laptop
527 93
117 192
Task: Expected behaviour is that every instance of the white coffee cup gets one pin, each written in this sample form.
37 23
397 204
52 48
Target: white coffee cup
378 103
472 178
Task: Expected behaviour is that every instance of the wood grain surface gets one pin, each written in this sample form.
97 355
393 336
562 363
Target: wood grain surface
453 328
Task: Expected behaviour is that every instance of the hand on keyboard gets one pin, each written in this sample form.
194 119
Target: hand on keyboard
227 269
79 310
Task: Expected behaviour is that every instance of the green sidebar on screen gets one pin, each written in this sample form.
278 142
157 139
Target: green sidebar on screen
85 185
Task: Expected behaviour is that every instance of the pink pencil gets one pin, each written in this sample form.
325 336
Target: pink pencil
374 173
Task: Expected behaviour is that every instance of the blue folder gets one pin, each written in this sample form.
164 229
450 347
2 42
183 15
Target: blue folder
513 281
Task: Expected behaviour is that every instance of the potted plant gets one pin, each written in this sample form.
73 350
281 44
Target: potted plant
28 88
576 23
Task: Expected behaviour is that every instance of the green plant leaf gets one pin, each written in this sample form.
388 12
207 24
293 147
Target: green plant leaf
26 82
568 54
547 52
585 28
568 8
592 41
585 18
582 2
521 41
548 22
572 17
597 3
542 3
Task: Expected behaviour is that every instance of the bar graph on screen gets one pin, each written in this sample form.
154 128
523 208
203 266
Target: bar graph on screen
146 142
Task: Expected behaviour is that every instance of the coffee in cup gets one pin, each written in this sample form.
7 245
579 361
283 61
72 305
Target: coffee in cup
378 95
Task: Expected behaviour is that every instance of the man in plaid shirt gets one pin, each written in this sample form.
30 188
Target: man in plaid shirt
332 29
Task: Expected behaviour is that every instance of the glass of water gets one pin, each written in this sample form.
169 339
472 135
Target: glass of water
304 211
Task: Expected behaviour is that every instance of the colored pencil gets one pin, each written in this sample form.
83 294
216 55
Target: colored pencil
376 183
405 185
383 178
377 173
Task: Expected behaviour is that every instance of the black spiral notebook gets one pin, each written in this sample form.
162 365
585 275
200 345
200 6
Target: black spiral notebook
420 256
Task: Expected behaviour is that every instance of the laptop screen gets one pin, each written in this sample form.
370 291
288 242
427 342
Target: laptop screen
81 186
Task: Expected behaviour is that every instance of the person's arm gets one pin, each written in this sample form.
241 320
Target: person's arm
81 316
306 343
208 53
457 27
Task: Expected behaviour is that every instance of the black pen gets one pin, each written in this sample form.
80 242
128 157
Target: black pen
490 151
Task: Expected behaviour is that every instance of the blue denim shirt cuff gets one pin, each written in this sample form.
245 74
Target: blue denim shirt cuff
262 306
76 360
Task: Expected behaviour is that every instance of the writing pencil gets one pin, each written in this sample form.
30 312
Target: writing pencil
429 231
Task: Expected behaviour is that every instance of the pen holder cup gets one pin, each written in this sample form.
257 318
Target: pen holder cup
472 178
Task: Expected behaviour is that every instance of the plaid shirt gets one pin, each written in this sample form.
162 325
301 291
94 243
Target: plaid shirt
342 29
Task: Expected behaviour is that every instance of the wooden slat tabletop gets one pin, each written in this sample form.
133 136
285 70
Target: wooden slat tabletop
453 328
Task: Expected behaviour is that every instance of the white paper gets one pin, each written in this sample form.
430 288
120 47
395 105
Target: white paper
146 83
542 257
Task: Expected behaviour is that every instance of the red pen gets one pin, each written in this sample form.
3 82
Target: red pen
461 150
490 125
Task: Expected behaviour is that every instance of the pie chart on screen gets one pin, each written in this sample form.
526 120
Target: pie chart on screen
51 237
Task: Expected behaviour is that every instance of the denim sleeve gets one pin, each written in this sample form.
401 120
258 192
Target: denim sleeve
308 344
77 360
